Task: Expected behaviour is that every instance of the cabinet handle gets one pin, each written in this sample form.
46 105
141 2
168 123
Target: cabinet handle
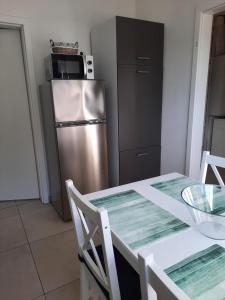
143 58
143 72
138 155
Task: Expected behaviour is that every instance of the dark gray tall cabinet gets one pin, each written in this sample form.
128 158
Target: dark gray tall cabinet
128 55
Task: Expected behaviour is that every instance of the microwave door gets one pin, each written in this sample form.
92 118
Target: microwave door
62 72
74 69
78 100
68 66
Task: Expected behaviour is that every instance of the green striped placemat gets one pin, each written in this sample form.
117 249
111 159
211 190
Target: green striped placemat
202 275
174 186
136 220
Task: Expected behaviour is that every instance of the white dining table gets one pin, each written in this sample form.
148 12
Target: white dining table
172 248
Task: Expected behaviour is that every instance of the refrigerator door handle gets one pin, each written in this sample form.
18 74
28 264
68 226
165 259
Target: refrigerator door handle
100 121
79 123
69 124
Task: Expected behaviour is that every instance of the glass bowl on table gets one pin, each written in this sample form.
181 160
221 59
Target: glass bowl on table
206 204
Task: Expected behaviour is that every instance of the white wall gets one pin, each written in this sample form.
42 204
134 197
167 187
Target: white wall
178 17
72 20
68 20
62 20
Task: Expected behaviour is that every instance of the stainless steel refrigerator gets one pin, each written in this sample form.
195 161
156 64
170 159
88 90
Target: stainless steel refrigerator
74 123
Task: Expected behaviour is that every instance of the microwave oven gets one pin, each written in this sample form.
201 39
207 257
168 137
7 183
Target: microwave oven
69 66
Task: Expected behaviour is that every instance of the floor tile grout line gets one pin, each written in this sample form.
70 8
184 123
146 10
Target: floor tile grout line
29 212
29 245
32 202
38 210
7 217
36 298
14 248
10 206
15 202
27 239
8 201
32 256
28 200
49 236
61 286
21 245
17 209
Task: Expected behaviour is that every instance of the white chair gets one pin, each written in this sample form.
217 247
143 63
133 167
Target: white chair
214 162
99 264
155 283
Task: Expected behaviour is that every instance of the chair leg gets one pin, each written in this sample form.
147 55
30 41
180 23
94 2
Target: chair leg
89 289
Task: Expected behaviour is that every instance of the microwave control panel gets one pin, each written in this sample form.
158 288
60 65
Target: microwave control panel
89 66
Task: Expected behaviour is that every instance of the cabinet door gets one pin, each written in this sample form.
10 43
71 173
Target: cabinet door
140 104
125 34
149 43
139 164
139 42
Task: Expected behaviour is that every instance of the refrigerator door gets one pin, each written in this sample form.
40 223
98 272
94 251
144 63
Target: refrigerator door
77 100
83 158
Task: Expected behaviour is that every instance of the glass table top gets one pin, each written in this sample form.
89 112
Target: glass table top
207 198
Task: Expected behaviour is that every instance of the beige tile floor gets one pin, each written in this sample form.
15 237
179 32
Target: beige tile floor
38 258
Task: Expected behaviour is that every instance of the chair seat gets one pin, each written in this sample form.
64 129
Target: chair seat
129 280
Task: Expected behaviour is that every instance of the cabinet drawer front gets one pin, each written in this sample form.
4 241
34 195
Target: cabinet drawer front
139 164
139 42
140 105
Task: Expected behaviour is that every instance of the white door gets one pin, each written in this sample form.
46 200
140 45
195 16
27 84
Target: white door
18 174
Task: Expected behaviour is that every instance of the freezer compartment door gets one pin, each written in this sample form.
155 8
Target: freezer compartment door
77 100
83 157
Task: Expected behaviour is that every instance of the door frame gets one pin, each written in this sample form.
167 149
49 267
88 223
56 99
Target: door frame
199 84
38 142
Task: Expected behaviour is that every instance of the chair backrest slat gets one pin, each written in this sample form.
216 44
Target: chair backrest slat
214 162
88 220
154 280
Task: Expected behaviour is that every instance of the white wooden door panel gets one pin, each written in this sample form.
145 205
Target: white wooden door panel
18 174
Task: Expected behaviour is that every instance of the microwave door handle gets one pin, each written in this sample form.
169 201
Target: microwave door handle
85 66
